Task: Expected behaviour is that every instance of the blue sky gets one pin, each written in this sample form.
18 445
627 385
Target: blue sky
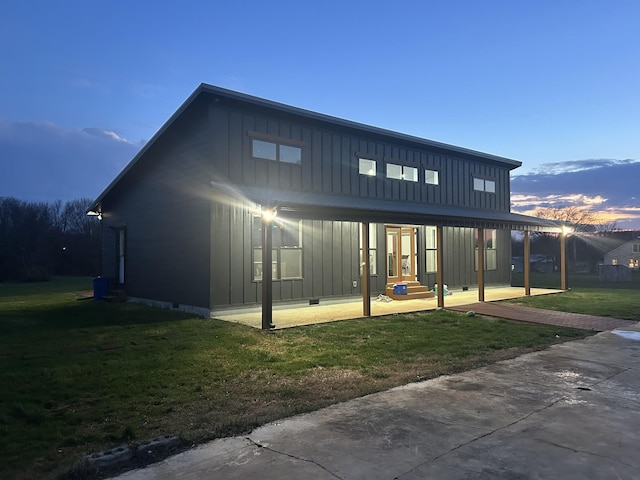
85 83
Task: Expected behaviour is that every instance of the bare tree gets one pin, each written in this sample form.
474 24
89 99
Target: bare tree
581 219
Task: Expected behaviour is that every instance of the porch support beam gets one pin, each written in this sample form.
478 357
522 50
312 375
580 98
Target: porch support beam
267 285
366 280
439 265
527 263
481 264
563 260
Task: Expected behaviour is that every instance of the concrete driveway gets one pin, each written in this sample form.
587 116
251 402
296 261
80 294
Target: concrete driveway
569 412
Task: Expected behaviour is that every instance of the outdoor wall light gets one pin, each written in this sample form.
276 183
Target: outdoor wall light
269 214
566 230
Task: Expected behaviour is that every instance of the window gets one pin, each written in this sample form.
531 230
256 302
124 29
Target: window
432 249
431 177
373 243
367 167
287 249
276 151
490 250
614 261
633 263
483 185
401 172
636 248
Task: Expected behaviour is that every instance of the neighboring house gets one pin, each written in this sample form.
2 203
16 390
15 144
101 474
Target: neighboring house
186 221
627 254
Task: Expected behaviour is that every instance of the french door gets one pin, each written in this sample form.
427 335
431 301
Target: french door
401 254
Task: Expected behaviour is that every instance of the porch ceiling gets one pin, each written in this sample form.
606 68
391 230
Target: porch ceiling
358 209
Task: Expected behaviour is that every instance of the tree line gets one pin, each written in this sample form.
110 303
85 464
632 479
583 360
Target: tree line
39 239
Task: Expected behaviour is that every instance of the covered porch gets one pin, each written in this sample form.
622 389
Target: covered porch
298 314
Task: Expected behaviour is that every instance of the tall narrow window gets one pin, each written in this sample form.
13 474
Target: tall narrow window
121 246
490 250
286 256
432 249
373 246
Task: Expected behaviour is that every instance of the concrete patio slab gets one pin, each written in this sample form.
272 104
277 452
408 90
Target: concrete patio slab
298 314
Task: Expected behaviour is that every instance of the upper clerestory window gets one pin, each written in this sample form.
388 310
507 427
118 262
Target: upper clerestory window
432 177
276 149
484 185
402 172
367 167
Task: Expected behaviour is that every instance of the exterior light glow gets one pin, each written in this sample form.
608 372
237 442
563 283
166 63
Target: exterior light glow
268 214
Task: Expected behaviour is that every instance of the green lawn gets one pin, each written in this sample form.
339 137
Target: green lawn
80 376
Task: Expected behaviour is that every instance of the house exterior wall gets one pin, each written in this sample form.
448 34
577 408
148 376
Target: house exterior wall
189 244
330 162
625 254
166 212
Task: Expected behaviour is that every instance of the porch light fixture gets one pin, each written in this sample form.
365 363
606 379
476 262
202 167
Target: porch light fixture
269 214
98 214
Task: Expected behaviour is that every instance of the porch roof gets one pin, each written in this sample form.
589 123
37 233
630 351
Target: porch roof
364 209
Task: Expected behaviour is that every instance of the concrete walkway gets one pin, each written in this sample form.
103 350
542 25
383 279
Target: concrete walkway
549 317
568 412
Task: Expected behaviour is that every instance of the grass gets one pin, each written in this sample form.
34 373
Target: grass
80 376
589 296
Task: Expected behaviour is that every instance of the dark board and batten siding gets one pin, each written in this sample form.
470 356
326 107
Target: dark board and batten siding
166 213
329 260
330 164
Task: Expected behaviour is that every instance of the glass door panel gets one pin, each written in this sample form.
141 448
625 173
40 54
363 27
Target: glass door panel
393 271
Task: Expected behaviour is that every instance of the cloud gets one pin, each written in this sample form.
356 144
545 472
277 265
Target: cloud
42 161
101 132
606 186
556 168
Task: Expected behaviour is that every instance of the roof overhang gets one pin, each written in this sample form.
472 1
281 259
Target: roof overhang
362 209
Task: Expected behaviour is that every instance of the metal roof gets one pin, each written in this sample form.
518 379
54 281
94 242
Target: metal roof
222 93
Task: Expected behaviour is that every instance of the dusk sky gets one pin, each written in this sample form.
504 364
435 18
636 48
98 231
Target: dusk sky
554 84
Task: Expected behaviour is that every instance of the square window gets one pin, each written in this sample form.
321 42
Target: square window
410 174
490 186
431 177
367 167
266 150
290 154
478 184
394 171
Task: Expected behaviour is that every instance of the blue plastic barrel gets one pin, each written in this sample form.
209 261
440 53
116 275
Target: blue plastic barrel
100 287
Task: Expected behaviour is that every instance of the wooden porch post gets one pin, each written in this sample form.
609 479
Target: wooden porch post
481 264
563 260
439 265
527 263
366 281
267 286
